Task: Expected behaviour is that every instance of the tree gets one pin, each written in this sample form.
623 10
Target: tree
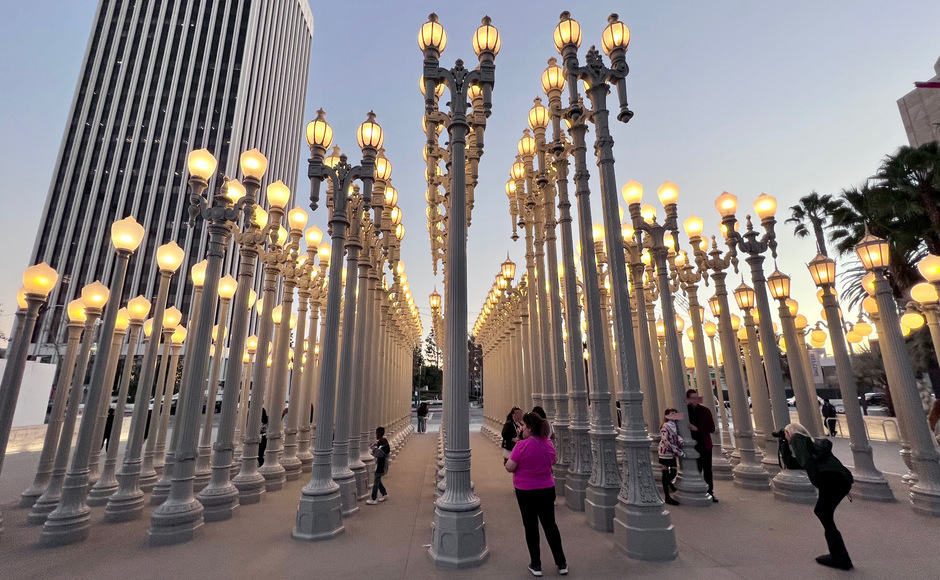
913 174
432 354
810 215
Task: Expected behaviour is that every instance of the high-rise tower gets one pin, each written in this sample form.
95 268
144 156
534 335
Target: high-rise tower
160 78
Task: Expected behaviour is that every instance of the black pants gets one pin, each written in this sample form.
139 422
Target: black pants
704 464
831 423
538 505
832 488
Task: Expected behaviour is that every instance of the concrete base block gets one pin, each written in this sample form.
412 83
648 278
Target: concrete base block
600 503
319 517
925 500
274 476
348 495
63 528
645 532
458 539
363 489
219 503
292 467
560 472
124 508
99 494
872 489
250 487
751 477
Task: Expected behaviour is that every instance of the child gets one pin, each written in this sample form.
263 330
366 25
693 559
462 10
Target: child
670 447
380 450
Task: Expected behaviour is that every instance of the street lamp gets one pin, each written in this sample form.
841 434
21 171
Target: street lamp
319 515
70 521
457 513
925 461
788 485
38 280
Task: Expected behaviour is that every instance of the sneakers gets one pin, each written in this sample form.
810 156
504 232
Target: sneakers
563 569
384 497
535 571
371 502
712 497
830 561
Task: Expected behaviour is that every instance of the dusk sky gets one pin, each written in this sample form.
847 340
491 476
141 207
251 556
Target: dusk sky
746 97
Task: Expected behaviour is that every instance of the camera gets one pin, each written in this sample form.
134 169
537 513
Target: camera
779 434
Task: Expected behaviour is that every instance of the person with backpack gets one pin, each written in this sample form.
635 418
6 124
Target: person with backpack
798 450
829 414
380 450
423 417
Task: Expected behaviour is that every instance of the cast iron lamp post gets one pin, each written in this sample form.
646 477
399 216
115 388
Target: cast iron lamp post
642 528
870 483
319 515
748 472
789 485
925 461
38 280
458 539
711 329
692 489
70 521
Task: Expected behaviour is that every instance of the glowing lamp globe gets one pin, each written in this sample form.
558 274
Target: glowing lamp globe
924 293
486 38
726 204
369 135
765 206
170 257
201 164
929 268
319 132
277 194
873 252
553 79
567 33
227 287
668 193
432 36
138 308
126 234
253 164
615 36
95 295
40 279
76 311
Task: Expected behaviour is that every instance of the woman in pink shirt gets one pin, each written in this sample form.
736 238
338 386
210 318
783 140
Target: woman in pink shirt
531 466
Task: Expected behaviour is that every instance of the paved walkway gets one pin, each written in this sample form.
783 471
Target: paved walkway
747 535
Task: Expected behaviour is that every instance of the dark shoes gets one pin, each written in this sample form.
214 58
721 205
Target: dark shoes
535 570
712 497
672 487
832 562
671 501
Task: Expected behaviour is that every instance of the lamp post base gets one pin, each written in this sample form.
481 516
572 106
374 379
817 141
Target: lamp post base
66 527
44 506
575 489
793 486
458 538
274 476
219 503
560 473
29 497
175 522
347 493
751 477
721 467
306 461
104 489
645 532
600 503
292 467
925 500
250 487
872 489
319 517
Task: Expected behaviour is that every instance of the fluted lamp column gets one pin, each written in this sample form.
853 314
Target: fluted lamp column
925 459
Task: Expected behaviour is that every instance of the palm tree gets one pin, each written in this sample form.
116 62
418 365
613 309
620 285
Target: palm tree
813 213
914 174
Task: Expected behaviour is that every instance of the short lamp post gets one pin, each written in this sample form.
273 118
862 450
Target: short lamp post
870 483
925 492
39 280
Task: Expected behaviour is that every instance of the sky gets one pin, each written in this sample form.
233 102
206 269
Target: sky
729 95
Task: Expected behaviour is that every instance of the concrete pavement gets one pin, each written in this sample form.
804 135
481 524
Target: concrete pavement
747 535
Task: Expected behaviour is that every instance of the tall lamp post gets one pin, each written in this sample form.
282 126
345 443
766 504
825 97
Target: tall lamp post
319 515
789 485
70 521
39 280
691 486
925 460
870 483
458 539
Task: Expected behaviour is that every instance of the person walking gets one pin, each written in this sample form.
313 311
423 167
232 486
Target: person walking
829 414
108 425
512 432
380 450
670 447
702 425
798 450
530 463
423 417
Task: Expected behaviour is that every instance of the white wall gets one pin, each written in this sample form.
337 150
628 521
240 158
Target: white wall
34 393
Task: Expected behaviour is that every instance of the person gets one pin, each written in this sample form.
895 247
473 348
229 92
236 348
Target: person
109 423
512 432
670 447
702 425
538 410
933 419
798 450
829 414
263 444
423 417
531 463
380 450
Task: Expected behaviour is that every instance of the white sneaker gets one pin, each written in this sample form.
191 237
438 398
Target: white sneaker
371 502
384 497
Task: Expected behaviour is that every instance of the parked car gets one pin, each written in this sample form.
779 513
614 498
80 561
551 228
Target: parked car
876 403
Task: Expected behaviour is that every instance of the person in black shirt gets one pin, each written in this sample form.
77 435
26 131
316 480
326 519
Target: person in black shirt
381 451
829 413
512 431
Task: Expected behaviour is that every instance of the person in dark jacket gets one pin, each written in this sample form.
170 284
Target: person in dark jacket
799 450
512 431
423 417
380 450
829 413
702 425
